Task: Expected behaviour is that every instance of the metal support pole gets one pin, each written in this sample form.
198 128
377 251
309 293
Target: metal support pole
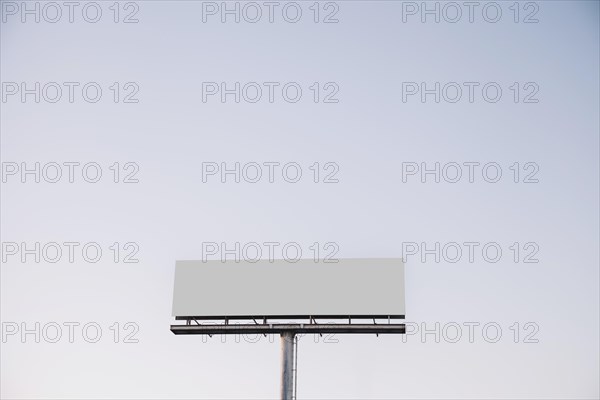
295 395
287 365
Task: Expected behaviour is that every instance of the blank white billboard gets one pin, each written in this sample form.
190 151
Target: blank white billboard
279 288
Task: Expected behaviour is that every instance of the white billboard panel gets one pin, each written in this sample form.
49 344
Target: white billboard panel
350 287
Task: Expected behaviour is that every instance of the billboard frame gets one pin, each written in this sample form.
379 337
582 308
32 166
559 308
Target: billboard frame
288 331
223 327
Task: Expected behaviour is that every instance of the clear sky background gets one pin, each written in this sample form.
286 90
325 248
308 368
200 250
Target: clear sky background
369 133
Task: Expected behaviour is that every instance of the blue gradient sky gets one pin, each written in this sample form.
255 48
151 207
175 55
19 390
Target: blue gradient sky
370 213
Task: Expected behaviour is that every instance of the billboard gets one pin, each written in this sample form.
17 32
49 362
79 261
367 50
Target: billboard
362 287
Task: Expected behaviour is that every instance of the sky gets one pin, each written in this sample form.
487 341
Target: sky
469 147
